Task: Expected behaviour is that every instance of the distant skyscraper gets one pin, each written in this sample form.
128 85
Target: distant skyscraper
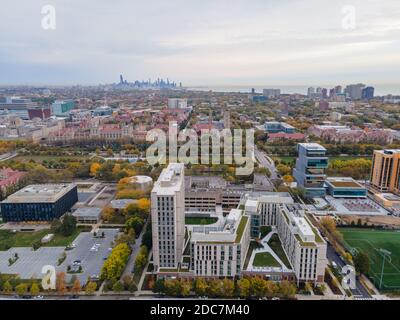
168 217
324 93
271 93
310 92
354 91
121 79
368 93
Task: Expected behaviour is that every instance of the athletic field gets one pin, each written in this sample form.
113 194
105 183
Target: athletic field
370 241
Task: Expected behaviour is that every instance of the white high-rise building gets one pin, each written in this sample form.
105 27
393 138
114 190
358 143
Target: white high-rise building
304 247
175 103
271 93
168 217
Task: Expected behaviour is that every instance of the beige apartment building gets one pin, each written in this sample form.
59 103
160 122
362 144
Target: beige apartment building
385 172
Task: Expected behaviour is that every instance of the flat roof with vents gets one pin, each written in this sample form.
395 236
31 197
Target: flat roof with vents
39 193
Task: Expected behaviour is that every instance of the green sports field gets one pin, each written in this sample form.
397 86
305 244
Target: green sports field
369 241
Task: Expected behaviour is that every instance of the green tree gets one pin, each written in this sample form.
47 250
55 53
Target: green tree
118 286
67 226
90 287
159 286
21 289
34 291
287 289
214 288
136 223
258 286
115 263
362 262
7 287
244 287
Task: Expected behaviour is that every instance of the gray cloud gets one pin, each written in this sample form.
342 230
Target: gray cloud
200 42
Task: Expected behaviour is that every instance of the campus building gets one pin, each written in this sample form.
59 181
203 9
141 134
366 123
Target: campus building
39 202
175 103
301 241
204 194
275 127
17 106
310 169
220 251
168 217
385 171
262 209
61 108
345 187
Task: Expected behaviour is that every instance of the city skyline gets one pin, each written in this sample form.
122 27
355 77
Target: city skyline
207 43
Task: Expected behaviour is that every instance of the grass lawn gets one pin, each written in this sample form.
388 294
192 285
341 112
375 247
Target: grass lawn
200 220
40 159
275 244
265 259
264 230
369 241
253 245
10 239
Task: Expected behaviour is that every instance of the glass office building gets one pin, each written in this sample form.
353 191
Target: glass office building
39 203
310 170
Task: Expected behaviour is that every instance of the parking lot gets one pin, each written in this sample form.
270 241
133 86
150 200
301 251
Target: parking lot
91 252
88 250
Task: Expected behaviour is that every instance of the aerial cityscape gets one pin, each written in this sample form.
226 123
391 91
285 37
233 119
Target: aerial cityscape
155 180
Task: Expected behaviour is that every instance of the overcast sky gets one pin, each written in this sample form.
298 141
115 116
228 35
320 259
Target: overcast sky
200 42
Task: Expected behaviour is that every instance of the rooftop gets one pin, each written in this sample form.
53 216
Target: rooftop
312 146
343 182
87 212
40 193
230 232
170 180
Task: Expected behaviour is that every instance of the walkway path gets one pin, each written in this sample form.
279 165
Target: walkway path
267 248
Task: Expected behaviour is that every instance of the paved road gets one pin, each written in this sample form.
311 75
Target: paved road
360 291
135 250
265 162
8 156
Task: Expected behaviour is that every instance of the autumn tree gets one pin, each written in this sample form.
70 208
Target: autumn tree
228 287
94 168
90 287
287 289
34 290
60 283
200 287
244 287
21 289
76 287
7 287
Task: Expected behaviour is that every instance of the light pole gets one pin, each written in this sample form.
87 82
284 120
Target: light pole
385 253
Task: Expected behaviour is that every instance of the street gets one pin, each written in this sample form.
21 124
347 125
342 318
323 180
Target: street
332 255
